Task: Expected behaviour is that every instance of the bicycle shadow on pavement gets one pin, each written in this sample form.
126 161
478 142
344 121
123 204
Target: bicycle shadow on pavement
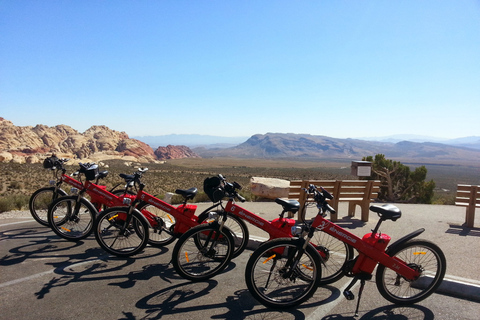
103 267
390 312
179 299
42 243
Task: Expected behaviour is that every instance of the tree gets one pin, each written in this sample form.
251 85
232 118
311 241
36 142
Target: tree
399 183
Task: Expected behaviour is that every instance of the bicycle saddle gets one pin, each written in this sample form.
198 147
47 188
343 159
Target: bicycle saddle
102 174
127 177
387 211
188 194
288 204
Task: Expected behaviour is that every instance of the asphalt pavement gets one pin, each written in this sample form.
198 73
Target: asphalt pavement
444 225
45 277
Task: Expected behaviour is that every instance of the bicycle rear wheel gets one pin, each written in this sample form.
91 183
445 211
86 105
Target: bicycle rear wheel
334 253
278 278
40 200
238 227
161 225
421 255
202 252
118 237
71 218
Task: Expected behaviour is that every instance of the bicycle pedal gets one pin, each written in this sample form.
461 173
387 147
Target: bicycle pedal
348 295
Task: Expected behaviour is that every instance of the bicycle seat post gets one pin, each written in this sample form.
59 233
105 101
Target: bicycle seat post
375 230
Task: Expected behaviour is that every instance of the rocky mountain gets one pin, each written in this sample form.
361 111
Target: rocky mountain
310 147
33 144
175 152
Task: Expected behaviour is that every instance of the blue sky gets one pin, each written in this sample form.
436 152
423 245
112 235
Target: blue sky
343 69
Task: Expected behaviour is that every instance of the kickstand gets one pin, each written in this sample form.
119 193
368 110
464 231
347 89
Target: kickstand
362 284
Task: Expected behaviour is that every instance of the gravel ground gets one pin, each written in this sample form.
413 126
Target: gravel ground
15 214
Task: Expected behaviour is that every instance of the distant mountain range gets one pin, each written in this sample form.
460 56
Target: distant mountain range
214 142
191 140
469 142
310 147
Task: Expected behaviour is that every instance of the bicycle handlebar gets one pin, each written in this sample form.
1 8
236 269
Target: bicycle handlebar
231 188
321 198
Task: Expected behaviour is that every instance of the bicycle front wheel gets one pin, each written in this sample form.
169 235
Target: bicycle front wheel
421 255
119 235
278 277
41 200
71 218
202 252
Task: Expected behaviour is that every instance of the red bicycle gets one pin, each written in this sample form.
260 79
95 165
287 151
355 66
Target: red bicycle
42 198
166 222
71 217
191 260
285 272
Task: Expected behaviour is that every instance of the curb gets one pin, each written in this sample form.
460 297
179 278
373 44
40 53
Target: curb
452 286
460 289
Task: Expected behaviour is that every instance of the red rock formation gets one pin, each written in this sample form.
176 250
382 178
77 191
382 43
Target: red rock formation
175 152
97 143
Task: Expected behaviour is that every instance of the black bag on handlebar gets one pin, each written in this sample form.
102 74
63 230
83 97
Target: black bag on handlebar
50 162
213 187
90 172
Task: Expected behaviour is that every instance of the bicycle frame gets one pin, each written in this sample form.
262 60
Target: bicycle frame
99 194
184 214
278 228
369 254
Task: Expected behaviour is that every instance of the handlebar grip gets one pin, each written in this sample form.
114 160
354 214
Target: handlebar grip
326 194
330 209
242 199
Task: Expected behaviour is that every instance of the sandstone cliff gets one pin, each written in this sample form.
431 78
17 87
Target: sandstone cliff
174 152
33 144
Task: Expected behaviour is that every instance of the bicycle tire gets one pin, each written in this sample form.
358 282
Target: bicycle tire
115 237
161 230
266 268
235 224
421 254
335 254
196 258
39 202
72 219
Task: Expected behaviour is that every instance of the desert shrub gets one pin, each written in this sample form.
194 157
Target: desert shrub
443 199
15 185
13 202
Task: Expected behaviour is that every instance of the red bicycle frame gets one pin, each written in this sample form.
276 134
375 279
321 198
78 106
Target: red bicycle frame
278 228
99 194
371 248
184 214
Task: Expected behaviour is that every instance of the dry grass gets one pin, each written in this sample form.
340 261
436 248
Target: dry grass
19 181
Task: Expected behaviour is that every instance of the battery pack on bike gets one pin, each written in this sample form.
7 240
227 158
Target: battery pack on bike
365 264
189 211
285 224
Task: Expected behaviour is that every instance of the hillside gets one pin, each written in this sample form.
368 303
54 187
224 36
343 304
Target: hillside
33 144
310 147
